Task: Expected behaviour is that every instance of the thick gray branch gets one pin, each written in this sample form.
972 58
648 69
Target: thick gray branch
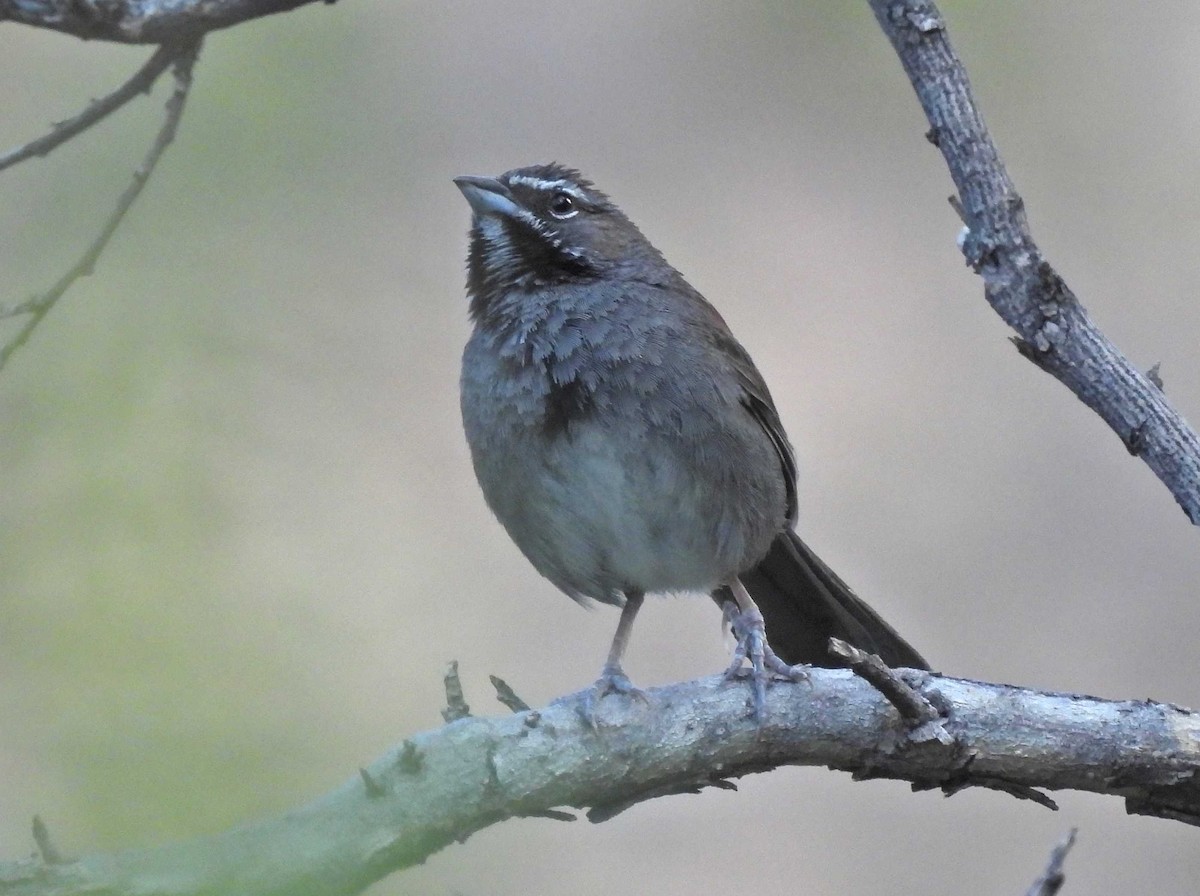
441 786
140 21
1053 328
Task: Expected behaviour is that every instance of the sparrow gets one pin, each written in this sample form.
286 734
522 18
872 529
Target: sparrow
625 440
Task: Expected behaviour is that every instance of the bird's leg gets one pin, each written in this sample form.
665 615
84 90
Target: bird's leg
746 622
613 679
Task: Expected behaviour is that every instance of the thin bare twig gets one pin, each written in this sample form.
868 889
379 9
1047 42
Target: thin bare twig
39 306
1052 878
141 82
913 707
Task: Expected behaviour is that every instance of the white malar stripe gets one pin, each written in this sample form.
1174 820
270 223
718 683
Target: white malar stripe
496 238
494 232
539 226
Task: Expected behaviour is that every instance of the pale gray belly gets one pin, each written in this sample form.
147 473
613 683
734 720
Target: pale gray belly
603 510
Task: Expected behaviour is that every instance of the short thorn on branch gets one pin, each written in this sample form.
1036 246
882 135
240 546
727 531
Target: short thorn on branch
607 811
507 695
1154 375
456 703
374 789
48 852
552 814
967 779
410 760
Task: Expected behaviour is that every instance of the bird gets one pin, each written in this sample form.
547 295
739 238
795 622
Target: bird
625 439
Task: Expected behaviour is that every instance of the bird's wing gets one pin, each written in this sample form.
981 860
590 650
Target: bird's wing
756 398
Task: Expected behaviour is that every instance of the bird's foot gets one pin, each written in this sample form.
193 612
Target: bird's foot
612 680
751 634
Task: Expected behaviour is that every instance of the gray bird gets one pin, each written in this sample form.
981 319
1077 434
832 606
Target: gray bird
626 441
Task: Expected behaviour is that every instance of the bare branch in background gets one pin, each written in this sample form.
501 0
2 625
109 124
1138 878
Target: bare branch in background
1054 331
36 308
141 21
178 26
63 131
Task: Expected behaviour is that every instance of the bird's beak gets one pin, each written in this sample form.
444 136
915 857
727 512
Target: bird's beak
487 196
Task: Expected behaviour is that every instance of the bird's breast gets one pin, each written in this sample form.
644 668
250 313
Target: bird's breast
606 482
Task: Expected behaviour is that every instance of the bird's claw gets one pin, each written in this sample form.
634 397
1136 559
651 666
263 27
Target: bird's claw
612 680
751 634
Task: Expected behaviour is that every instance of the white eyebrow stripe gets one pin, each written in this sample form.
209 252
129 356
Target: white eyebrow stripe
538 184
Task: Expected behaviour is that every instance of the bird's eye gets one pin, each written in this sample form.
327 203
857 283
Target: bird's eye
562 205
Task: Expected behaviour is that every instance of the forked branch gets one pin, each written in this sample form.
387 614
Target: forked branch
182 57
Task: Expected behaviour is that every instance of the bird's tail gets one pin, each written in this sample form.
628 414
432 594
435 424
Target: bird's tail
804 604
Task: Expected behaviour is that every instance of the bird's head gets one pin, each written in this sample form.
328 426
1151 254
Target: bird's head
542 225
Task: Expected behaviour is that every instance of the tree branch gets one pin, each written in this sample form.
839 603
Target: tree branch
183 56
140 21
441 786
1053 329
141 82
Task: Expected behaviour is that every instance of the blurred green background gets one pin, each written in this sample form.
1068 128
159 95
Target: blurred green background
239 533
